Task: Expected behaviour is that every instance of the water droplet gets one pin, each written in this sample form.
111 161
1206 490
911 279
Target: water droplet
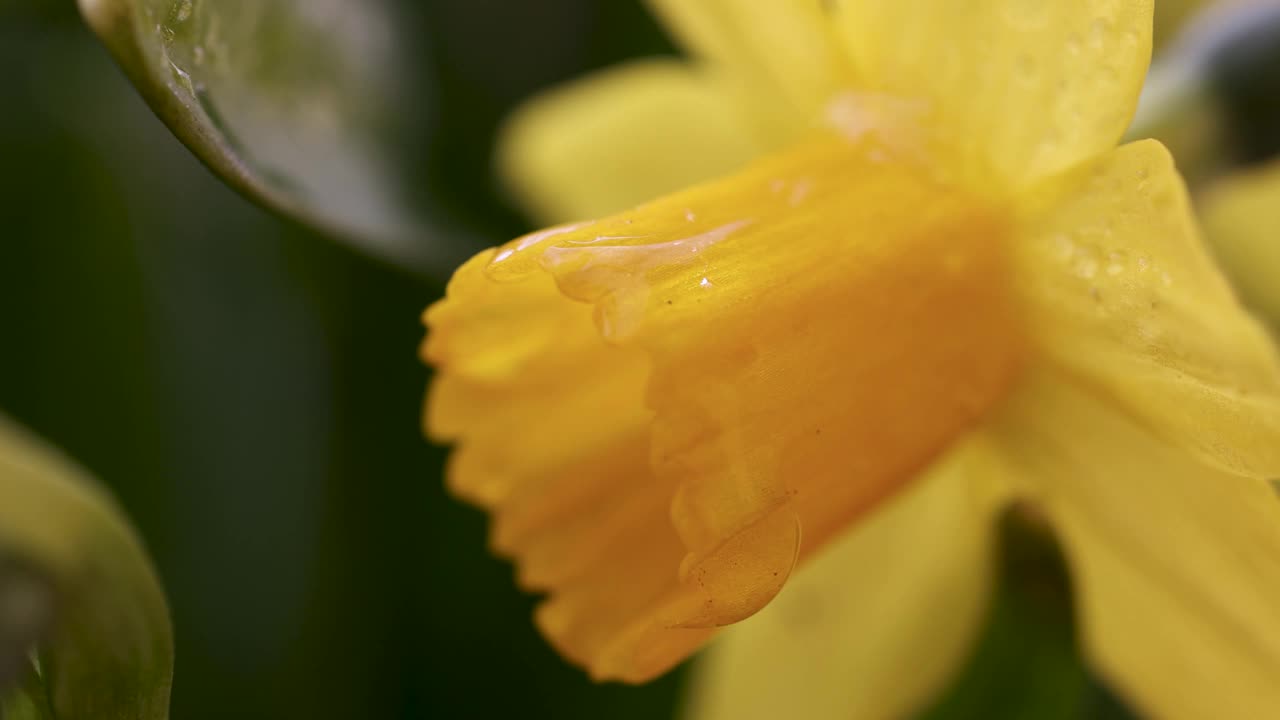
858 116
1072 45
1099 31
1116 263
799 192
183 77
1087 267
617 276
514 260
1084 260
1148 330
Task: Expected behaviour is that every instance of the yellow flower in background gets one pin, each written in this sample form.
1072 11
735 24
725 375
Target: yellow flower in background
1242 220
940 289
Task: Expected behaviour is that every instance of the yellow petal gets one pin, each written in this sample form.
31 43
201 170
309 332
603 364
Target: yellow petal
806 336
779 56
1121 292
1241 215
1176 565
620 137
875 625
1016 90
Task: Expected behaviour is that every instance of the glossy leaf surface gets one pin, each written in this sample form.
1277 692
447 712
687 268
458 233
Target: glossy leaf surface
77 593
297 104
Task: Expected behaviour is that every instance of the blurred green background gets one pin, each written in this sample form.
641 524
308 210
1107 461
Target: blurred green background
251 392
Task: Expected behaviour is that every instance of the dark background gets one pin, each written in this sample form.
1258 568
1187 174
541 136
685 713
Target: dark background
251 392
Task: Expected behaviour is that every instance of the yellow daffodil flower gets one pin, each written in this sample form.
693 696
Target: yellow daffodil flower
940 288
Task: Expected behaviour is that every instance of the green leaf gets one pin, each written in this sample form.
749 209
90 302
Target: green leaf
106 650
27 599
294 103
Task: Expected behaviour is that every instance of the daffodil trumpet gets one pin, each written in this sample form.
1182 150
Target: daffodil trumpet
899 276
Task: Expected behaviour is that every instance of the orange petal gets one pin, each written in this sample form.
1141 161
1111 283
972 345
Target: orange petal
786 348
878 622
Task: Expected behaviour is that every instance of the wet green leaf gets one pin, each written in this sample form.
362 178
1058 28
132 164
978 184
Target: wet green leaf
297 104
78 593
29 700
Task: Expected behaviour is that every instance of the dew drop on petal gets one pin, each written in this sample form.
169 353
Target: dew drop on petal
1073 44
1099 31
617 276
